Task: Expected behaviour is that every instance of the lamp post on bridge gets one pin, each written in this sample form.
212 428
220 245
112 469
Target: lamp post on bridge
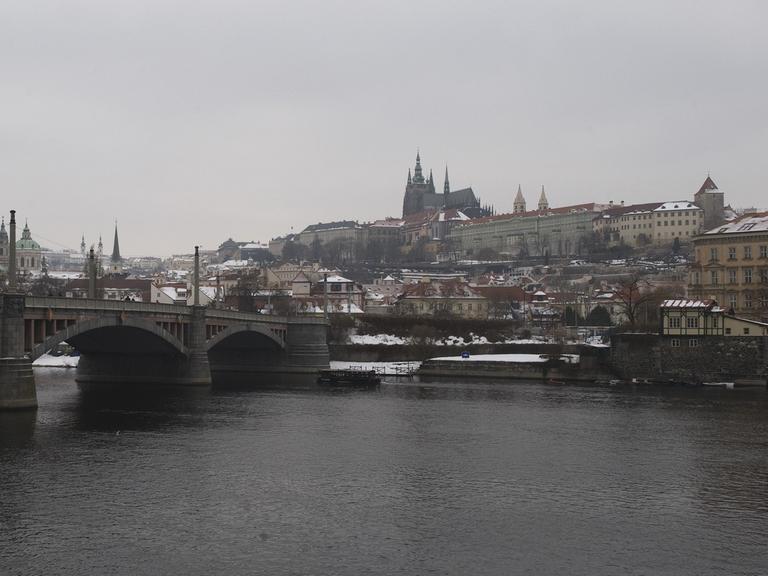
12 254
198 367
196 280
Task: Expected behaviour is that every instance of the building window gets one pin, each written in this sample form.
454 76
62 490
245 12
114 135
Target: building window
675 343
715 276
747 252
747 300
747 275
674 322
713 254
746 331
696 278
715 322
763 251
732 253
727 331
693 342
732 276
732 301
692 322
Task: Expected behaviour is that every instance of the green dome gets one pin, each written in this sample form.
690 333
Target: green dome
26 242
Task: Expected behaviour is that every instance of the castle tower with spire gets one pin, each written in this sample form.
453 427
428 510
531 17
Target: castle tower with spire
518 206
543 202
420 195
712 200
82 245
419 191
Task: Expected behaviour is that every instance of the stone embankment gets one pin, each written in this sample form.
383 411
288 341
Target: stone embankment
560 362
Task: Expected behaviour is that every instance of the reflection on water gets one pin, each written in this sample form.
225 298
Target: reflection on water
283 477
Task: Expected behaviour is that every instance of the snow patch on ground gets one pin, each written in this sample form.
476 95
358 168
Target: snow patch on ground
512 358
378 339
49 361
391 339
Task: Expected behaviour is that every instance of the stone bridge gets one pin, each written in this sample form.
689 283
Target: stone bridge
143 342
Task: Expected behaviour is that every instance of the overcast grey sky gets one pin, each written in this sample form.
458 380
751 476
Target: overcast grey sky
191 122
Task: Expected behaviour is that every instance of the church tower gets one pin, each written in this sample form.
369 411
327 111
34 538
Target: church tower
543 203
518 207
115 261
82 245
446 185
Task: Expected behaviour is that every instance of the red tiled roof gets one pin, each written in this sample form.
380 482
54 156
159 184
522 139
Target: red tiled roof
708 185
589 207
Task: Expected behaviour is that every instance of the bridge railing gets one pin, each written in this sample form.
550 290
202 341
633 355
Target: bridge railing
100 305
171 309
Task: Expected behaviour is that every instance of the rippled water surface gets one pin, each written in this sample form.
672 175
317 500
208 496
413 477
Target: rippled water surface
415 478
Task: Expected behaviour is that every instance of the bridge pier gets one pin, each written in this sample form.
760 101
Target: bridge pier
306 348
17 381
198 367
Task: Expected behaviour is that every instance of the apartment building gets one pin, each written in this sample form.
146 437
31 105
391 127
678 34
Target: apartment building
731 266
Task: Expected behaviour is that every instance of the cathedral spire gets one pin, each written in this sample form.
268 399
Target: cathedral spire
543 203
418 177
116 248
446 185
409 176
82 245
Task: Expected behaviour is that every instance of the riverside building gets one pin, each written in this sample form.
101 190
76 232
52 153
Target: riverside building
731 266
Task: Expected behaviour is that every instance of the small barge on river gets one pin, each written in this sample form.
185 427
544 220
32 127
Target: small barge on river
349 378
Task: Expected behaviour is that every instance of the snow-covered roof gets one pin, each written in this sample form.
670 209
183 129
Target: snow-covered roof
679 205
174 293
254 245
336 278
684 303
209 291
746 224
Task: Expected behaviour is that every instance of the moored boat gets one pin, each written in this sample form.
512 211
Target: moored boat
349 377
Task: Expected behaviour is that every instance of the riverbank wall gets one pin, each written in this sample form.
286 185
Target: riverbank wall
742 360
593 361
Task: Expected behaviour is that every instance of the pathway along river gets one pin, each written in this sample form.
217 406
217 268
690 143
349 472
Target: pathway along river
415 478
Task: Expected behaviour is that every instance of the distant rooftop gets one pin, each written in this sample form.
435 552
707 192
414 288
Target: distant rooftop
746 224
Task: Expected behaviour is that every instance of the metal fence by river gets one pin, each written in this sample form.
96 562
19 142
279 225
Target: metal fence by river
413 478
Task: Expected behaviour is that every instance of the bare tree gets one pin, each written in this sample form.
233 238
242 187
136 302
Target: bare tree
632 294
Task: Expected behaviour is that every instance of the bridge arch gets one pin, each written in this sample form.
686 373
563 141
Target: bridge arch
91 324
230 331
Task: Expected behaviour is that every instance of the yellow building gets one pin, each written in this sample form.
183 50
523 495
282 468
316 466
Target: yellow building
450 298
639 225
731 266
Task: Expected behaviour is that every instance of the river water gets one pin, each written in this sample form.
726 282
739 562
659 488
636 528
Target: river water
415 478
